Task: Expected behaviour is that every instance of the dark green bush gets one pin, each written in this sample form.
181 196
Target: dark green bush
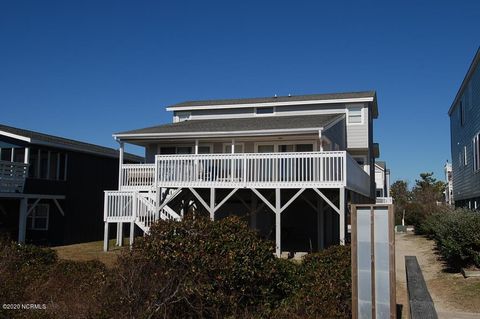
456 234
195 268
198 268
325 289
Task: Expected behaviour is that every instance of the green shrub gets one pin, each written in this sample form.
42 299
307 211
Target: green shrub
190 269
325 286
456 234
199 268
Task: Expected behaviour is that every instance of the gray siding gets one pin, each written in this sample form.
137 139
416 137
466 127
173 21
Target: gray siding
203 114
466 183
357 134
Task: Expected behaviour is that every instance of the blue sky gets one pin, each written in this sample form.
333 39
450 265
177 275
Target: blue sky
86 69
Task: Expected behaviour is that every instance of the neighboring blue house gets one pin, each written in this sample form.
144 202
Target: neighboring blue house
465 139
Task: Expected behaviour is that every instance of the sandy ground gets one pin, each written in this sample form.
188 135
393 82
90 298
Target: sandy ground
453 295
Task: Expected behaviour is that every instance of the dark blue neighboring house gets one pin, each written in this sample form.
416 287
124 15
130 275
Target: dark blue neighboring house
465 139
52 188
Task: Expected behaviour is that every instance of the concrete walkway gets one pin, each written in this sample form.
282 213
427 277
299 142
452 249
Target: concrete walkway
453 295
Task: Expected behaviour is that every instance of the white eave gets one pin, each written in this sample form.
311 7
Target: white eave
313 130
267 104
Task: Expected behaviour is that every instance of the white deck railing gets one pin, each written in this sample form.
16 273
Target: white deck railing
12 177
132 206
137 176
257 170
384 200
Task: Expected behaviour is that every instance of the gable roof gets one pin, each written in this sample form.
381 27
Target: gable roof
272 99
345 97
238 126
466 79
33 137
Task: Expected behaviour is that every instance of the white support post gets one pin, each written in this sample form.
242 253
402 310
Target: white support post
132 231
120 164
120 234
105 238
278 220
212 203
320 140
232 163
22 221
12 157
342 212
196 160
26 155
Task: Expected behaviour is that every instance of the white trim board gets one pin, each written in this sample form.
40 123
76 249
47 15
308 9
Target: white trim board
313 130
265 104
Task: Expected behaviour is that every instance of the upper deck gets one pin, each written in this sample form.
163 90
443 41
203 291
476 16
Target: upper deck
248 170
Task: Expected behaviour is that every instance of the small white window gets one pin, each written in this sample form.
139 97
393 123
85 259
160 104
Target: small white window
355 115
38 217
264 110
476 152
465 156
183 116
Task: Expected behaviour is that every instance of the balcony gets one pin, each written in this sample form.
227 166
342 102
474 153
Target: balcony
12 177
384 200
248 170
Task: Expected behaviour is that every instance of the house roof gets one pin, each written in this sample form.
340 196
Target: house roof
63 143
466 79
272 99
245 126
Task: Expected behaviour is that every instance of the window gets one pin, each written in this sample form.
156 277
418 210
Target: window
465 156
476 152
168 150
264 110
204 149
38 217
53 166
355 115
304 148
47 165
462 113
44 159
183 116
33 167
227 148
266 148
6 154
184 150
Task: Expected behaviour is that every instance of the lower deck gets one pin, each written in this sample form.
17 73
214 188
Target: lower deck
297 220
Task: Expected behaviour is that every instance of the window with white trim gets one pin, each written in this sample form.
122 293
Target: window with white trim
465 156
476 152
355 115
264 110
183 116
38 217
